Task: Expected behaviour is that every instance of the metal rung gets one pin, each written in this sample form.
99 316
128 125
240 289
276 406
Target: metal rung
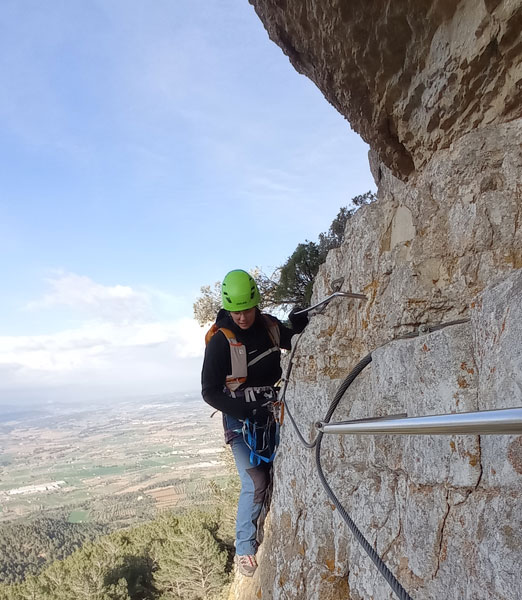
331 297
504 421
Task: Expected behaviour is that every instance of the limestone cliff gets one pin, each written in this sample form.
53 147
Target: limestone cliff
434 87
410 76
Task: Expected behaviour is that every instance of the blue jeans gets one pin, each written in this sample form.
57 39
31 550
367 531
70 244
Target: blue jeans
254 481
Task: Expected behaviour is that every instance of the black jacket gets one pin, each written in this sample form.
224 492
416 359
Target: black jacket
217 365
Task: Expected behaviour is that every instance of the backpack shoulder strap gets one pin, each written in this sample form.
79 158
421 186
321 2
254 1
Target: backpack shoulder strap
211 333
272 326
238 358
230 335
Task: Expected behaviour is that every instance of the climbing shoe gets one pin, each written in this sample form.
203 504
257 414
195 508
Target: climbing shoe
246 564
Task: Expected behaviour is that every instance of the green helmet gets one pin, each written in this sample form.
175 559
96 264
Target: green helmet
239 291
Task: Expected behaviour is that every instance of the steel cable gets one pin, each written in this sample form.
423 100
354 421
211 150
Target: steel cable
399 591
397 588
282 395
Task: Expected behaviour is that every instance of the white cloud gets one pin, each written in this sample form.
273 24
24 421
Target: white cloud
119 303
104 353
122 345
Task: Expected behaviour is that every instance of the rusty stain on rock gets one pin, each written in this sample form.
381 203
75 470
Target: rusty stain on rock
515 454
512 538
474 459
327 333
330 564
462 383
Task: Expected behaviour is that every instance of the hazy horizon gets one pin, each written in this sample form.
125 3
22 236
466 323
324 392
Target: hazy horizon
46 398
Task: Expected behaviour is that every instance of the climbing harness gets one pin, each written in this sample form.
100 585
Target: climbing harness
260 437
258 440
496 421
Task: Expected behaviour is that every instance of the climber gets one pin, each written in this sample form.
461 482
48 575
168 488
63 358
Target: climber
240 369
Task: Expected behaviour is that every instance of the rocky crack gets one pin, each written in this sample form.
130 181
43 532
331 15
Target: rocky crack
449 506
441 534
481 468
392 543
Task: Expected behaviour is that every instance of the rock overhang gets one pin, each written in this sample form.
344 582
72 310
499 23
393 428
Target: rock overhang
411 77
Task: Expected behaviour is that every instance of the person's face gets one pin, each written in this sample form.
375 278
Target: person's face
244 318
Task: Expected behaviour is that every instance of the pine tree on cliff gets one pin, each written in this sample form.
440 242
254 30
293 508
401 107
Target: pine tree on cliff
191 564
298 273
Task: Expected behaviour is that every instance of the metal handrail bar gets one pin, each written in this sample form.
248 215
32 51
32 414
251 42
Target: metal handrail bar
504 421
331 297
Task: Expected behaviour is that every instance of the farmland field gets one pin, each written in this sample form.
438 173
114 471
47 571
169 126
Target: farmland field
78 516
115 463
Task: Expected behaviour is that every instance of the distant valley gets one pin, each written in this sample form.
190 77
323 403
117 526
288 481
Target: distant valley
112 463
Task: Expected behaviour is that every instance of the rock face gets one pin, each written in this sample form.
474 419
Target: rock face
445 512
442 511
434 87
410 76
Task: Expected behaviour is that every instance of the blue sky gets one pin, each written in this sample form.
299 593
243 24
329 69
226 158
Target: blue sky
147 148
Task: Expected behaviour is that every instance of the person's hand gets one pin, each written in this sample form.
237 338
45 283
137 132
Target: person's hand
258 401
298 322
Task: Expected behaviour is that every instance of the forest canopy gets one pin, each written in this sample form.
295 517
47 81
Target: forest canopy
186 556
